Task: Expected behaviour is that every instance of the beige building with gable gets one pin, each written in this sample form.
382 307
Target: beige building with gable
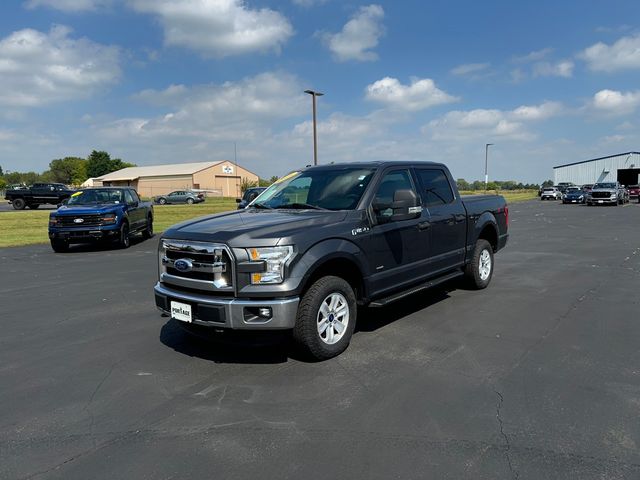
221 178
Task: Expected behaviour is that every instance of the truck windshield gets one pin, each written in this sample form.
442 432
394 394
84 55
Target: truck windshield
338 188
95 196
604 185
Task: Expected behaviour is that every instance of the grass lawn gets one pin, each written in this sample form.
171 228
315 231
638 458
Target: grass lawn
510 196
26 227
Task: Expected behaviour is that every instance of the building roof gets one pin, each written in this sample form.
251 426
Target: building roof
133 173
599 158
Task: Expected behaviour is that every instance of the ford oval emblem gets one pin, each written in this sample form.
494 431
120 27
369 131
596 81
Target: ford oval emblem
183 265
78 220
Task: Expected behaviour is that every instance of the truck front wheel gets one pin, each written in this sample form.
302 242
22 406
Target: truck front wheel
124 241
60 246
147 233
480 270
18 203
326 318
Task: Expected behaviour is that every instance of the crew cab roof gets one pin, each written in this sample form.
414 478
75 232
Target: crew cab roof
377 164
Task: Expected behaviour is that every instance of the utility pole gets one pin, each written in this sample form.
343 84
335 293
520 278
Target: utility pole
486 165
314 94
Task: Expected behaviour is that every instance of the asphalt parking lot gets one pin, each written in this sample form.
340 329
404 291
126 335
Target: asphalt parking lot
536 377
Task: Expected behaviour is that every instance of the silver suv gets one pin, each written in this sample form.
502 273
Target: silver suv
551 193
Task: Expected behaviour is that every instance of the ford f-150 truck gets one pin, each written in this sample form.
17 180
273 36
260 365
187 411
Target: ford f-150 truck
319 242
100 214
38 194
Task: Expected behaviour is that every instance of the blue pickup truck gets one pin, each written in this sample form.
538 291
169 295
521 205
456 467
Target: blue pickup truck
108 214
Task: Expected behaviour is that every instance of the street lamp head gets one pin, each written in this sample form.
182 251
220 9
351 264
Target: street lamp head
314 93
489 144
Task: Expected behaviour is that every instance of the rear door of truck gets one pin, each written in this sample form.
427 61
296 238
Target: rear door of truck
447 216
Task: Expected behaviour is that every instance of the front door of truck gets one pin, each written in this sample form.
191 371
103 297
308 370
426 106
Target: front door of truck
447 216
395 248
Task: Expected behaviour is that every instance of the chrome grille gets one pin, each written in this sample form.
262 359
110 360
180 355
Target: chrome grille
196 265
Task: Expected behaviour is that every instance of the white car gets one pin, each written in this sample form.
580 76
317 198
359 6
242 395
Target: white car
551 193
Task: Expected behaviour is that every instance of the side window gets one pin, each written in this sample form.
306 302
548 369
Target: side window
128 197
134 194
390 184
435 187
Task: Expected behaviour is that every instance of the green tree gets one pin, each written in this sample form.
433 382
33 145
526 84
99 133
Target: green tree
274 179
69 170
463 184
263 182
100 163
3 183
246 184
547 183
1 171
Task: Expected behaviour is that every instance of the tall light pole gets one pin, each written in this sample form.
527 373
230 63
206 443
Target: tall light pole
486 164
314 94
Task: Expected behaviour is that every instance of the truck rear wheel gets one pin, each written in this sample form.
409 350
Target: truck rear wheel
326 318
18 203
147 233
480 270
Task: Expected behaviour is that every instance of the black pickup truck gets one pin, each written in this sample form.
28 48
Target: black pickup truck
319 242
38 194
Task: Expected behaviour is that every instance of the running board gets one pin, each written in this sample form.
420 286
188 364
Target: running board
431 283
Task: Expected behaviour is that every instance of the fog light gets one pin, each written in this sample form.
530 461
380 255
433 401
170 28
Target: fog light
264 312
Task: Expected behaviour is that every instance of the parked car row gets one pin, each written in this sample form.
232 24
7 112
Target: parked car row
609 193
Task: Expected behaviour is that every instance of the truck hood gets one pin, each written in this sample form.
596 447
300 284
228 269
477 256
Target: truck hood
252 227
98 209
610 190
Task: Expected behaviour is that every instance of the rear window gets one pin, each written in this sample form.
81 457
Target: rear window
435 187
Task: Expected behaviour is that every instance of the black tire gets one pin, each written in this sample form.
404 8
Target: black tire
147 233
124 241
33 206
306 332
18 203
190 201
60 246
162 201
476 277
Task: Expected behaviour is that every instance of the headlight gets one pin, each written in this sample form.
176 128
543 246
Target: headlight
109 218
580 197
53 220
275 258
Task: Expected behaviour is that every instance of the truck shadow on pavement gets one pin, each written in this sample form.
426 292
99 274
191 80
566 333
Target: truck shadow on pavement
277 347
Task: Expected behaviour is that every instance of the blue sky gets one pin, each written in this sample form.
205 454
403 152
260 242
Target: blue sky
161 81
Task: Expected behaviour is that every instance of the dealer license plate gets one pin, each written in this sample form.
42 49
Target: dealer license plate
600 201
181 311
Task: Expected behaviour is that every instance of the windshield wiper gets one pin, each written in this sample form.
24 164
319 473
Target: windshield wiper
302 205
261 205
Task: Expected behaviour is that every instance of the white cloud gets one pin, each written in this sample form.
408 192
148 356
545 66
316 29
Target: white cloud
538 112
70 5
469 68
613 102
490 124
39 68
534 56
232 110
420 94
358 36
218 28
622 55
563 68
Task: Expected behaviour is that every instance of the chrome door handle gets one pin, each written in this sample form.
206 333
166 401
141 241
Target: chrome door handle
424 225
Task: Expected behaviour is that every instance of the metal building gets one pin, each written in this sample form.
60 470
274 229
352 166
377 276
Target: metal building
623 167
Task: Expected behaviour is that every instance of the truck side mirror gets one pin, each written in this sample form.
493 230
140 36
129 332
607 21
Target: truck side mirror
238 200
404 207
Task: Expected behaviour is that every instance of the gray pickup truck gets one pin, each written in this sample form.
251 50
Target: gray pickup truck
611 193
319 242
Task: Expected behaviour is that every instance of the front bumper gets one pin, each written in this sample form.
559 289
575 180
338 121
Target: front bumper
230 312
86 234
